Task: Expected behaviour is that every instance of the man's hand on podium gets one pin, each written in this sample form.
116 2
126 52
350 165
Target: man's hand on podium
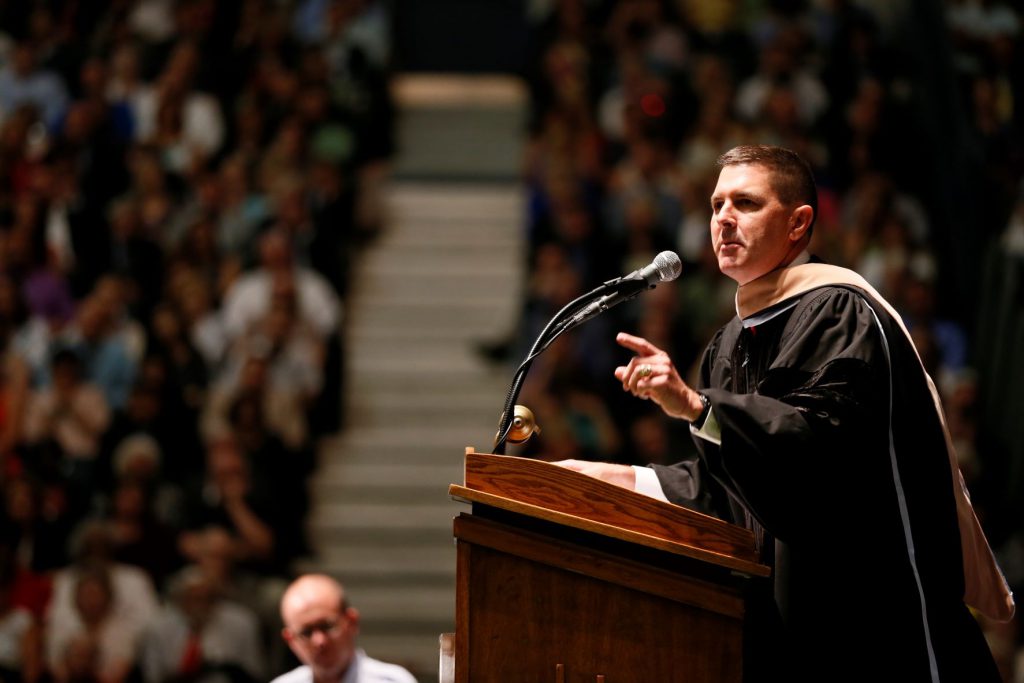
620 475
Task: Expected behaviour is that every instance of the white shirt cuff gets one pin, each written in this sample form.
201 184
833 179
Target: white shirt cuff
647 483
710 430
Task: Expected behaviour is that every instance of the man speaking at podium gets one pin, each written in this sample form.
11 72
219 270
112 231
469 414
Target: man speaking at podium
819 430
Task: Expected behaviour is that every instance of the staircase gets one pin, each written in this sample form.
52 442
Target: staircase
444 275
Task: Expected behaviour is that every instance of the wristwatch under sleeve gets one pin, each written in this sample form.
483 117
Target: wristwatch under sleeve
698 422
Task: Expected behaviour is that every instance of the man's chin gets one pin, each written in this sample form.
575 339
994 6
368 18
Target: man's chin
329 664
729 267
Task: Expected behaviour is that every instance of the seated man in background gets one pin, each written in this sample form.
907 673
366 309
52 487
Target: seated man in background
321 628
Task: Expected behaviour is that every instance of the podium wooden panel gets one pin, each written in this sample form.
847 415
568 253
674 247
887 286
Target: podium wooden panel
565 578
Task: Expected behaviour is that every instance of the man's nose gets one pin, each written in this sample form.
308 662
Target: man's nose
726 216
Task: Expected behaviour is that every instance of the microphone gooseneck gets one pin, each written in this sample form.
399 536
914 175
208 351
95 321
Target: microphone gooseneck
665 267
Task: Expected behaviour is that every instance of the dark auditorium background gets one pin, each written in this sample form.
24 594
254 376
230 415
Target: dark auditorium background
218 370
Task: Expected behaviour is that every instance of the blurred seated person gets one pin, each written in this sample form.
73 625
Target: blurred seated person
26 81
185 123
216 552
80 660
139 459
195 300
70 414
918 305
199 635
294 309
115 639
249 298
231 495
109 361
170 341
71 411
137 259
272 431
133 598
20 644
147 413
33 534
15 370
280 409
140 538
320 627
293 349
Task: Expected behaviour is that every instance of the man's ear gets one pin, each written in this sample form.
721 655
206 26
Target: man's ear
800 222
353 616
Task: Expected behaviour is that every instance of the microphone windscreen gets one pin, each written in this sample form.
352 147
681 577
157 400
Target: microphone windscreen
669 266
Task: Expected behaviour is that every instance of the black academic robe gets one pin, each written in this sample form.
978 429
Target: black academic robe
833 453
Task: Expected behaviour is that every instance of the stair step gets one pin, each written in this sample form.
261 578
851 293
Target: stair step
444 277
401 477
488 240
468 312
375 360
397 497
455 404
438 403
442 287
455 221
455 268
442 255
429 409
398 604
442 455
431 201
343 537
440 380
383 516
477 417
431 565
402 437
477 144
475 318
409 495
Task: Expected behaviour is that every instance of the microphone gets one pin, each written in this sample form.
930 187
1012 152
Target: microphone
665 267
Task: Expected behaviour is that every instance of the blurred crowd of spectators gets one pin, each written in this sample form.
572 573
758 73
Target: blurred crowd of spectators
182 185
184 182
632 102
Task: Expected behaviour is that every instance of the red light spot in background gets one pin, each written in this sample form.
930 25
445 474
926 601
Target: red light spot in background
652 105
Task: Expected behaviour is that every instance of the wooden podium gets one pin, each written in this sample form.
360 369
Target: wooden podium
563 578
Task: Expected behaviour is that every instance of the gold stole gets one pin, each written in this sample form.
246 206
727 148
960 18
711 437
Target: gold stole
985 588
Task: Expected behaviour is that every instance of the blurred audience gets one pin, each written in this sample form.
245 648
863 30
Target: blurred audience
183 186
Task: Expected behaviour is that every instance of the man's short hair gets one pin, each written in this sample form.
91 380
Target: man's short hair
792 178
